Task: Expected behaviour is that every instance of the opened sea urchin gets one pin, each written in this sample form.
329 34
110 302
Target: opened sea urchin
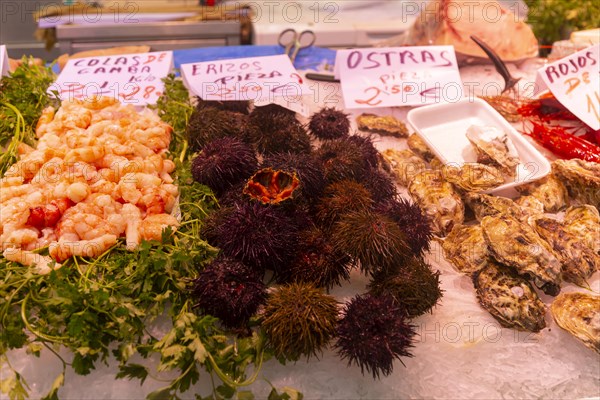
230 291
414 286
299 320
312 180
373 333
329 123
224 162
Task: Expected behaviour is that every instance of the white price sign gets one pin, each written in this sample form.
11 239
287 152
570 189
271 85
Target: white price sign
132 78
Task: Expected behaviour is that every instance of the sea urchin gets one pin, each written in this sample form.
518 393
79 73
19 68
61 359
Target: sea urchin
372 333
230 291
329 123
299 320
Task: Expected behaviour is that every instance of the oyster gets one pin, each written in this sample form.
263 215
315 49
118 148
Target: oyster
530 205
438 199
581 178
404 164
584 222
473 176
579 314
509 298
516 244
466 248
494 147
384 125
578 260
549 190
485 204
418 145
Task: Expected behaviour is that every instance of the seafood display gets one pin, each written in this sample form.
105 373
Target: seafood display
579 314
98 172
516 244
438 199
384 125
509 298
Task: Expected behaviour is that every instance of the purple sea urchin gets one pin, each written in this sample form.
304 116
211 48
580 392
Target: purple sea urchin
342 197
317 261
381 186
412 222
223 163
260 236
413 285
312 180
207 124
342 159
299 320
329 123
238 106
282 136
230 291
366 146
371 238
372 333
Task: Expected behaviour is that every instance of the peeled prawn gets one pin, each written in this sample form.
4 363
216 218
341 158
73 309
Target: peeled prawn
152 226
133 216
42 264
63 249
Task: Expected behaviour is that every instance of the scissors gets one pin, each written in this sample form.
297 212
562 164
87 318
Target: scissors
296 41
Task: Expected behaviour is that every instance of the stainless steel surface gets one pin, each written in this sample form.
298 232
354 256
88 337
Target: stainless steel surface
159 35
17 28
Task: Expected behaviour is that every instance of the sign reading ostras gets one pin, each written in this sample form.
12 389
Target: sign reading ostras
575 81
261 79
131 78
395 76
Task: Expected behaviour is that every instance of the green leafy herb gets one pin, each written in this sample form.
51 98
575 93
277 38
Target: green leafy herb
23 96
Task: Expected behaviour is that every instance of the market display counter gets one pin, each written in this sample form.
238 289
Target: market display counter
460 352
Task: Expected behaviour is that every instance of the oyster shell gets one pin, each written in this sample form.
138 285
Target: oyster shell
581 178
494 147
549 190
516 244
485 204
509 298
418 146
473 176
579 314
384 125
438 199
578 260
584 222
530 204
466 248
404 164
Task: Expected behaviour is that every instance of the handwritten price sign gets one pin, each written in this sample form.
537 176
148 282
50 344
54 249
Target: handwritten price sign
575 82
3 61
132 78
269 79
398 76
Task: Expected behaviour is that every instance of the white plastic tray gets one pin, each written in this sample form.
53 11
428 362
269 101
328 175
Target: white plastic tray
443 128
